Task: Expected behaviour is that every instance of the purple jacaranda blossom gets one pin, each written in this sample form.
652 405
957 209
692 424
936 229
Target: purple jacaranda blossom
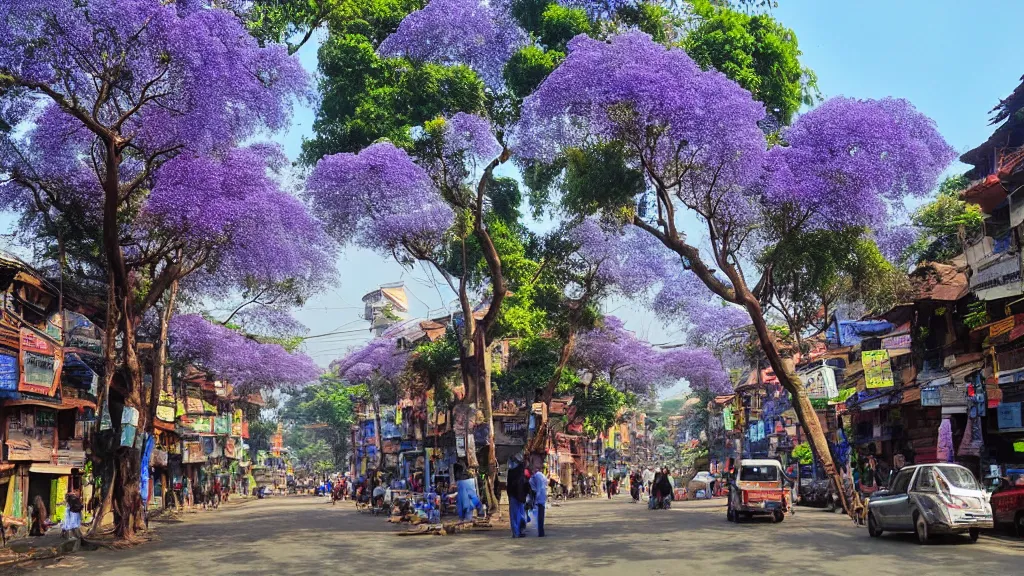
701 369
379 359
477 33
848 160
242 361
380 199
198 78
630 364
707 123
894 241
627 260
684 297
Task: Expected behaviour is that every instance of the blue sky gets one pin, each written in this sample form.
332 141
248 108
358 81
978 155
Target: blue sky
953 60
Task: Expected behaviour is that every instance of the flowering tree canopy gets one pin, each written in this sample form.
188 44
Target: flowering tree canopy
380 199
380 359
242 361
633 365
480 34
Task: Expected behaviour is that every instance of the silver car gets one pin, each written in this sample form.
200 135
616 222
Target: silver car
931 499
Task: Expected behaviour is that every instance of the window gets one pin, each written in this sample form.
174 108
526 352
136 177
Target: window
902 482
925 480
759 473
959 477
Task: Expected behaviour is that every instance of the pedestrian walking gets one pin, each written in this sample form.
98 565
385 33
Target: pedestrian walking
517 490
539 485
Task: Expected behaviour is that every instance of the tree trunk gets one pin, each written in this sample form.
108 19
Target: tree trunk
801 403
160 355
105 502
539 440
103 394
492 455
379 436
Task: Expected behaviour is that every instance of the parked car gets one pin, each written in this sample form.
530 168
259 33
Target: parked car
1008 501
930 499
757 489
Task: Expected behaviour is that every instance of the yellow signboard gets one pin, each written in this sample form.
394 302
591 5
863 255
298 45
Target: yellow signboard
877 369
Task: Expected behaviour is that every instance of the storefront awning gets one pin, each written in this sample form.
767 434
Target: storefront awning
41 468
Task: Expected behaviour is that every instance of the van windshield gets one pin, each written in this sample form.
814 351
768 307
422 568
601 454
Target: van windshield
759 473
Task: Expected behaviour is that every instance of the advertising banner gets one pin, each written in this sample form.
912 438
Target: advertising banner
877 369
40 364
820 383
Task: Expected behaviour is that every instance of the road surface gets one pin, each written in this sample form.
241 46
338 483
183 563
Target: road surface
307 535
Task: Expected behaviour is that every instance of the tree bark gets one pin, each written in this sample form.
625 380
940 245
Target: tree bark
537 443
160 356
805 412
493 506
105 502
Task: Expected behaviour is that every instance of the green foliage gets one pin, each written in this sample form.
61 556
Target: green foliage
599 405
824 267
529 13
598 179
531 365
559 24
328 402
529 67
977 315
672 406
757 52
939 223
802 452
365 98
437 361
651 17
283 20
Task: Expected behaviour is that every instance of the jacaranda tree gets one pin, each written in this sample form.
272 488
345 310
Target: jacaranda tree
115 92
694 137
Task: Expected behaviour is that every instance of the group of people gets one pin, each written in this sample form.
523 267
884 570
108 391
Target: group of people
527 489
656 485
207 495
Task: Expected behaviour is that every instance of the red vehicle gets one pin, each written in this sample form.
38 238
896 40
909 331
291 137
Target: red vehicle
1008 501
757 490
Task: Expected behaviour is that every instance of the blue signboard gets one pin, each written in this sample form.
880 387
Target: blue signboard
1008 414
8 372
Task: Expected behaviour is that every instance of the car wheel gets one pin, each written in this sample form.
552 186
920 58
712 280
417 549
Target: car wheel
974 533
873 530
1018 523
920 528
778 516
837 505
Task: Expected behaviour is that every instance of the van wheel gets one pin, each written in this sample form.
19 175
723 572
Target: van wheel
873 530
778 516
920 528
974 533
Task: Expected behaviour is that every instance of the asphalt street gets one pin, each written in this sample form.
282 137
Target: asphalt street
307 535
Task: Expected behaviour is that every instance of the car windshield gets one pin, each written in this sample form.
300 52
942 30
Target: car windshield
759 473
959 477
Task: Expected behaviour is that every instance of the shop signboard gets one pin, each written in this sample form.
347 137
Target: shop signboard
877 369
192 452
8 371
901 341
40 364
820 383
1009 416
510 430
72 458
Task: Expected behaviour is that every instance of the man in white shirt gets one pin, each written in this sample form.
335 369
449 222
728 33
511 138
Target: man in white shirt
539 485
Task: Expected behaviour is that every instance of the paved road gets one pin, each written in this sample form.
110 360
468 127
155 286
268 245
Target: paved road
306 535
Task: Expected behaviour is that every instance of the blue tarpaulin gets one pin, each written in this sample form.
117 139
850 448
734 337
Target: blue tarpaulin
851 332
